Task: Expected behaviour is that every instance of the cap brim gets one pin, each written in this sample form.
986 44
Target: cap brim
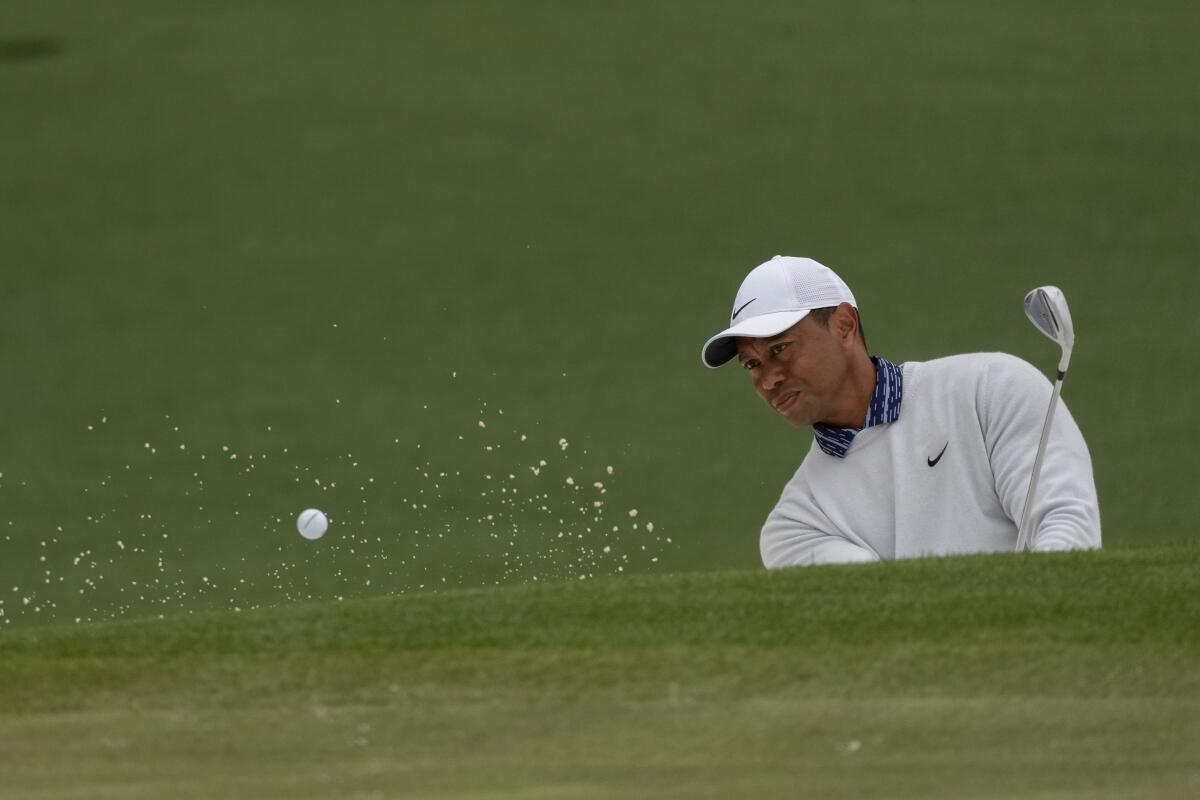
723 346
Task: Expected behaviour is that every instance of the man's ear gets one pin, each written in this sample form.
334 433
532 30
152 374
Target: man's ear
845 321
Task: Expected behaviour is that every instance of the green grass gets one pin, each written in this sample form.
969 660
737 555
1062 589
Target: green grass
545 209
331 241
1062 676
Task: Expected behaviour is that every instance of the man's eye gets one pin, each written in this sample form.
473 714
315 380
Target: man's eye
776 349
749 364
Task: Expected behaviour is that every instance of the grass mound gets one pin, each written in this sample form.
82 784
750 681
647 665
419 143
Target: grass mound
1056 676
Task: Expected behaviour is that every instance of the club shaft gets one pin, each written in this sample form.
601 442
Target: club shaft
1023 532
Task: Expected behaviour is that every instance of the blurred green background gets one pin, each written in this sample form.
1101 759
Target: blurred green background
336 239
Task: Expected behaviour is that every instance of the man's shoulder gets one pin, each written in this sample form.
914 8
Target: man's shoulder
970 369
970 362
979 381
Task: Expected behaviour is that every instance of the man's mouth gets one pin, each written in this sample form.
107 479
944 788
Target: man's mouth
783 401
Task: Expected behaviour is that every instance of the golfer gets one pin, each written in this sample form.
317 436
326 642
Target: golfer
921 459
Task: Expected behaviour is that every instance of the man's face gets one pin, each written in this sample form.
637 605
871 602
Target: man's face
801 373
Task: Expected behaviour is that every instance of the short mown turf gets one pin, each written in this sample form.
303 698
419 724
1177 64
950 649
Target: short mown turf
386 259
335 237
1069 676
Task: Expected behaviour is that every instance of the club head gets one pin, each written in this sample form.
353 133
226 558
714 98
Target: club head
1046 307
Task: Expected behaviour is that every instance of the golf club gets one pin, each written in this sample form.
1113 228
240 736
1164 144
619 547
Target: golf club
1047 309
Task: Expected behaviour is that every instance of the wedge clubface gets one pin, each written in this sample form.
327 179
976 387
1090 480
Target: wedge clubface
1047 309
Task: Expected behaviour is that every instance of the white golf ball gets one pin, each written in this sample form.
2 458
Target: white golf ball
312 523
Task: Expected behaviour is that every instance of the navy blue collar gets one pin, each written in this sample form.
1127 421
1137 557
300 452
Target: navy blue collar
883 409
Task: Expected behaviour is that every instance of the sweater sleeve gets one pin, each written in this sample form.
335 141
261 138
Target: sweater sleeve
788 540
1066 513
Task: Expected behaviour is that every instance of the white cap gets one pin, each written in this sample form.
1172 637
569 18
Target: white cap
774 297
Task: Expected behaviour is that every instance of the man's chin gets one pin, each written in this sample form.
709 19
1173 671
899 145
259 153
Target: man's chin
797 418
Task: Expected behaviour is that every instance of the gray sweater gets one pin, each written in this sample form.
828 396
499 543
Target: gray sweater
893 496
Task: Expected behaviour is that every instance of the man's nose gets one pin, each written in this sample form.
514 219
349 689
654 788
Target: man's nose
770 377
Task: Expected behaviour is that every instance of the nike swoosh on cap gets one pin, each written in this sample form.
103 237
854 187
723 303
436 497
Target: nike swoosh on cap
743 308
